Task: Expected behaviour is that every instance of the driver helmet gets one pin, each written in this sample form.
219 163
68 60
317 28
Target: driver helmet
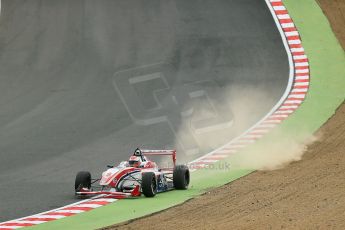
137 152
134 161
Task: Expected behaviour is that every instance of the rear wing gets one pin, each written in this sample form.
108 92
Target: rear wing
171 153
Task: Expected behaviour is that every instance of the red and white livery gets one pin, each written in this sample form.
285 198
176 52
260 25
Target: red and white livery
134 177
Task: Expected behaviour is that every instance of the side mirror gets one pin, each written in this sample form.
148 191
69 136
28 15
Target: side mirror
110 166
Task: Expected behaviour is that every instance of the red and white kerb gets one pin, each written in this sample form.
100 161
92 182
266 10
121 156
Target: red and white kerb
299 68
70 210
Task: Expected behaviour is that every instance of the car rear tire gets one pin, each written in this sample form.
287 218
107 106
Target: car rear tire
82 180
149 184
181 177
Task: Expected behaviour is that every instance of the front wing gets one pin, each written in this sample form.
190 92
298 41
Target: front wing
110 194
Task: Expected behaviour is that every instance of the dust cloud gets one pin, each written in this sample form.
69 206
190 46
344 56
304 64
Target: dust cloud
274 154
241 108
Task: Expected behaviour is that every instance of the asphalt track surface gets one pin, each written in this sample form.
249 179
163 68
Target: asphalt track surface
82 83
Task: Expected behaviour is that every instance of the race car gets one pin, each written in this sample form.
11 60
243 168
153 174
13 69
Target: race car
134 177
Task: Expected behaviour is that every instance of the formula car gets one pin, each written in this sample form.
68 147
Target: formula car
134 177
